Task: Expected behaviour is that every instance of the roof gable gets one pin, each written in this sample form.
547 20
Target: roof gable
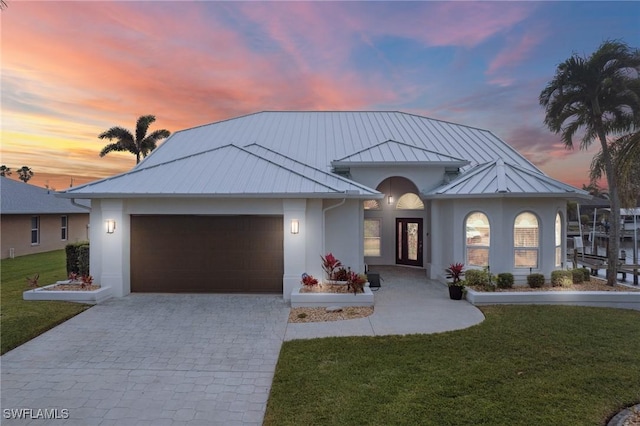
499 178
228 170
392 152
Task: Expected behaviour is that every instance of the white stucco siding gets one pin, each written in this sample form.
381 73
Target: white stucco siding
449 243
425 178
343 233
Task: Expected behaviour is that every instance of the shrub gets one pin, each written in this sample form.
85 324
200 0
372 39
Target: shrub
476 277
73 257
586 275
561 278
535 280
577 275
505 280
83 259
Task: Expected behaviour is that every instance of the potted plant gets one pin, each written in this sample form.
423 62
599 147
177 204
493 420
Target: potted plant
456 286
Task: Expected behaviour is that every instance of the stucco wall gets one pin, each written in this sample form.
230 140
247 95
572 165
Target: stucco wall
16 233
449 236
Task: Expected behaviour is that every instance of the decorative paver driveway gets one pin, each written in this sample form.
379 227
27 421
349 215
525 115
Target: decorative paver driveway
151 360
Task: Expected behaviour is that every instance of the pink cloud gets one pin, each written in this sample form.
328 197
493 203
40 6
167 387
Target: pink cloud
516 52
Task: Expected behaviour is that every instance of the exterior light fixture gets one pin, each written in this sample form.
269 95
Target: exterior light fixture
111 226
295 226
390 199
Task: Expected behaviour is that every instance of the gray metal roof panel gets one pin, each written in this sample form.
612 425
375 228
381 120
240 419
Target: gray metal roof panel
394 152
498 177
22 198
227 170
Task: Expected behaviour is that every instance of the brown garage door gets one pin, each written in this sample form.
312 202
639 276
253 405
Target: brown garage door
213 254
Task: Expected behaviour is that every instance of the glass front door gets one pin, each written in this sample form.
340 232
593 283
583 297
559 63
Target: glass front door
409 241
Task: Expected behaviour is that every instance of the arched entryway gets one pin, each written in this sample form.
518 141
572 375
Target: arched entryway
395 227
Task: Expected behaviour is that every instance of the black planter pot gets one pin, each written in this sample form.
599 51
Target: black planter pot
455 292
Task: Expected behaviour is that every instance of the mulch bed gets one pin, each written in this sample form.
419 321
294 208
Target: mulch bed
325 288
596 284
321 314
72 287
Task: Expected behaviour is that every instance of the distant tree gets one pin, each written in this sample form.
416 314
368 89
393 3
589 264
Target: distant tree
141 144
5 171
25 173
599 94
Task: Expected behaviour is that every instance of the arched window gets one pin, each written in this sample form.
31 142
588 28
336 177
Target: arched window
371 205
526 240
410 201
478 239
558 240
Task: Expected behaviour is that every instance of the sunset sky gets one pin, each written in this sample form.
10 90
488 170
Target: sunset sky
71 70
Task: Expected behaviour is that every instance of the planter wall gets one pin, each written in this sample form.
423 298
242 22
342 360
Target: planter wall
91 297
316 300
609 299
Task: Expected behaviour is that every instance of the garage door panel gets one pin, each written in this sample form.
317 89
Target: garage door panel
206 253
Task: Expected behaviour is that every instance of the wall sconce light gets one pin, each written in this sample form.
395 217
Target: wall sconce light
390 199
295 226
111 226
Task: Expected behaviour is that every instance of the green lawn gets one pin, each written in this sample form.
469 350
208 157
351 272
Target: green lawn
22 320
524 365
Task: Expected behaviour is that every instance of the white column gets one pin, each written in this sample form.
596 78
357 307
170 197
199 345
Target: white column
114 248
294 245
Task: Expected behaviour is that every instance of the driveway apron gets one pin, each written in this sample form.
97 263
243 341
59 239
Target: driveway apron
150 359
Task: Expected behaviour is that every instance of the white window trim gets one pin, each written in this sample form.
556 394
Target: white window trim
475 246
528 248
379 220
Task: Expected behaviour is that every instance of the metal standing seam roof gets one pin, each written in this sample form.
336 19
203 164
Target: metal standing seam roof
228 170
23 198
496 178
292 154
394 153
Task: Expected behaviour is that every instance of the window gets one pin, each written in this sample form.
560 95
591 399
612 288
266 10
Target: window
525 240
63 228
371 205
410 201
478 239
372 228
35 230
558 240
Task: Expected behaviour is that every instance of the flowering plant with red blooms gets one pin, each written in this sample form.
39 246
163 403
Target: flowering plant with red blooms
87 280
308 280
73 276
356 282
455 271
330 264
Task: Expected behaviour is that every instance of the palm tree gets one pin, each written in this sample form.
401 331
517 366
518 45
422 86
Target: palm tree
142 144
625 153
25 173
599 95
5 171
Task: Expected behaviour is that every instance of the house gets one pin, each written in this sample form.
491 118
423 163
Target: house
34 220
249 204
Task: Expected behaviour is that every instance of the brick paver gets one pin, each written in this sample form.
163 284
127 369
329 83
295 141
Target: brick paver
152 359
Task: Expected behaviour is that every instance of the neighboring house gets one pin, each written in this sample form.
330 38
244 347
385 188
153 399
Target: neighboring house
34 220
249 204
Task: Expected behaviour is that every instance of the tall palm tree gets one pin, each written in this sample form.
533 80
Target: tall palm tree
25 173
142 144
599 95
5 171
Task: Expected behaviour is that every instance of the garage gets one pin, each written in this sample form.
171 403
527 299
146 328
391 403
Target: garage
207 254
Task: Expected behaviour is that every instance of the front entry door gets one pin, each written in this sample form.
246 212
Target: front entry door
409 241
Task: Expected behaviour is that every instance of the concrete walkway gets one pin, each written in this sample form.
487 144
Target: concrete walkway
406 303
196 359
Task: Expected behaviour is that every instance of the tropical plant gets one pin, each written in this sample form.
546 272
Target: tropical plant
599 95
330 264
5 171
87 281
455 272
356 282
141 144
25 173
33 281
308 280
